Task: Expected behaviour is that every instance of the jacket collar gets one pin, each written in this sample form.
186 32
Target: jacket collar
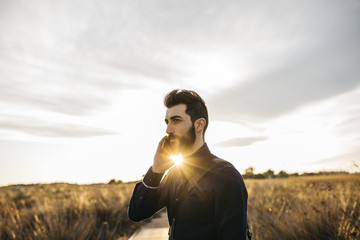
196 166
199 158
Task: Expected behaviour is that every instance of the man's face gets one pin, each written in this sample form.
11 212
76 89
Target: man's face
180 129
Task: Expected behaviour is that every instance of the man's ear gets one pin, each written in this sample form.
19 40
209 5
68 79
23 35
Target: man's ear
200 124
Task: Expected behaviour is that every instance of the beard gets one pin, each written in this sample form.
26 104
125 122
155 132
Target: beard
184 143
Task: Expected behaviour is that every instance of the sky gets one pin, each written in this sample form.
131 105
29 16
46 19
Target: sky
82 84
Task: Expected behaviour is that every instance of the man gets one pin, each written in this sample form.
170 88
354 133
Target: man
205 197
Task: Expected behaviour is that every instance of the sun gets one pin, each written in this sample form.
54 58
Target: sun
177 159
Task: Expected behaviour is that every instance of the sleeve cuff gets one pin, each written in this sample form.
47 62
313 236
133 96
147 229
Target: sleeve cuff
151 179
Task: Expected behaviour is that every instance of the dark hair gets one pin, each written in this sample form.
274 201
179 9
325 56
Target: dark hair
195 105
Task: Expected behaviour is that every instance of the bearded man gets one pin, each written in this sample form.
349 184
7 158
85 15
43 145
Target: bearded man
205 196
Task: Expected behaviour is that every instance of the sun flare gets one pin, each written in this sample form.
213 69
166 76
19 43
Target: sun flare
177 159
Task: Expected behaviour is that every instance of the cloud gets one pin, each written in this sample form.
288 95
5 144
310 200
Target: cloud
65 60
37 127
285 90
112 34
323 64
348 161
241 142
351 124
58 88
55 58
68 103
278 93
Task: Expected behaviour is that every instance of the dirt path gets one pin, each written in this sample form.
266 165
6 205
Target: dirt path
156 229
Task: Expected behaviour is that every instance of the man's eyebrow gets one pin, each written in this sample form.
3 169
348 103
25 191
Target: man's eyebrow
176 116
173 117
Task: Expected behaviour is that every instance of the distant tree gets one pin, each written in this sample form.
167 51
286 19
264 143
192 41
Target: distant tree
269 174
113 181
249 172
259 176
310 174
282 174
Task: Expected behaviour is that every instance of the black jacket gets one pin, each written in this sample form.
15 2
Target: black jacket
205 197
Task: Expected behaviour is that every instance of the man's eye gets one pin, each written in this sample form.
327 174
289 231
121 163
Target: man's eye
177 120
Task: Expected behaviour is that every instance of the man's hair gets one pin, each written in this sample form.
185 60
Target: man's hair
195 105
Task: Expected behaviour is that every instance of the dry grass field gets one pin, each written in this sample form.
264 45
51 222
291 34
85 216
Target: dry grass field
65 211
318 207
313 207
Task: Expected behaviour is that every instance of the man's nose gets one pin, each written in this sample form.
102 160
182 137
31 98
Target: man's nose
169 129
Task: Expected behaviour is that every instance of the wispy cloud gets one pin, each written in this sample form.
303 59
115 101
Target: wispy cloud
37 127
281 92
351 125
241 142
322 65
349 161
73 90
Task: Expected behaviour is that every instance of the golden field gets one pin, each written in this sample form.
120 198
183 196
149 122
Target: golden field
313 207
65 211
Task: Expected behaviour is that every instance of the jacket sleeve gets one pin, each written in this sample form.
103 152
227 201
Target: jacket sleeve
231 205
147 198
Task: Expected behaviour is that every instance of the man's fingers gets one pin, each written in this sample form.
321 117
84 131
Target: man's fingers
162 141
161 147
164 146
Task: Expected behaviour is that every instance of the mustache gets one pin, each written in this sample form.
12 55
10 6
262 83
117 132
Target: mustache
172 137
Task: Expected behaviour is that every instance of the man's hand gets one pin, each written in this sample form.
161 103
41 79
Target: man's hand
162 161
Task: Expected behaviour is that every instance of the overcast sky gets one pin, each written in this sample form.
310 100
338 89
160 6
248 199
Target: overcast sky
82 84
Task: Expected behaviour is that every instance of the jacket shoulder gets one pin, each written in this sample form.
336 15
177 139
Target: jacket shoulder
221 164
225 170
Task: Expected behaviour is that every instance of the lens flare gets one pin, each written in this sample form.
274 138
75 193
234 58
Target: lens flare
177 159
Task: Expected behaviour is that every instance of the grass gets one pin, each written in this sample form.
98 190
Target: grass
313 207
65 211
318 207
